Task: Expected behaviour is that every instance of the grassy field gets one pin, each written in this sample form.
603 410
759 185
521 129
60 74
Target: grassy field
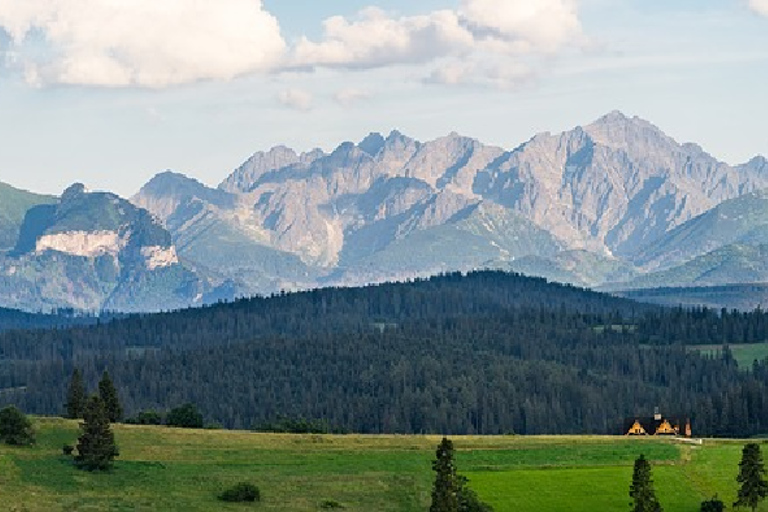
164 469
744 354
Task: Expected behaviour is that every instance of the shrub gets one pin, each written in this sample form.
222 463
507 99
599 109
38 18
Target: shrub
15 428
146 418
712 505
67 449
330 505
241 492
185 416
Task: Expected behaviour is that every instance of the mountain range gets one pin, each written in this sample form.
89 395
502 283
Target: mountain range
615 204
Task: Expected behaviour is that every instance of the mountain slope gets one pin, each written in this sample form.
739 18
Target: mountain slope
586 205
731 264
94 251
14 204
742 220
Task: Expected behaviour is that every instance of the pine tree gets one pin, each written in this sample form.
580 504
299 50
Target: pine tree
445 491
96 447
108 395
76 396
641 490
754 488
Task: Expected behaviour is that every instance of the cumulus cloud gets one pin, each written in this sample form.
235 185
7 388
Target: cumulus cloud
759 6
522 25
296 99
350 96
147 43
376 38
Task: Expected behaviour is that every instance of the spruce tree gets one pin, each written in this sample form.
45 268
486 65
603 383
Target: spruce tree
751 476
76 396
108 395
446 487
96 447
641 489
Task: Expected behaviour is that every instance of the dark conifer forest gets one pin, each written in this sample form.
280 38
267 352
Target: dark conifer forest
486 353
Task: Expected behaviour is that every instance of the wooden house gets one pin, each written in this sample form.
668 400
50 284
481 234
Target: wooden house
657 425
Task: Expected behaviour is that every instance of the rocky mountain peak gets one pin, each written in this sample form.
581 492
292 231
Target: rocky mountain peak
257 165
73 192
372 144
618 131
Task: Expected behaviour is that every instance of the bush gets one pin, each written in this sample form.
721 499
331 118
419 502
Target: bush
185 416
67 449
146 418
15 428
330 505
242 492
712 505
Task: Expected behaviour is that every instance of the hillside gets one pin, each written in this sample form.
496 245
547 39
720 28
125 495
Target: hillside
11 319
483 353
93 251
183 470
14 204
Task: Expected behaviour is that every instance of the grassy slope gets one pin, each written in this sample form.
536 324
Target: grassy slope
745 354
14 204
169 469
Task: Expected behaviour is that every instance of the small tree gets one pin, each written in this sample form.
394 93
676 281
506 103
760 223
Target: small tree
108 395
15 428
451 492
641 489
445 490
75 396
751 476
96 447
185 416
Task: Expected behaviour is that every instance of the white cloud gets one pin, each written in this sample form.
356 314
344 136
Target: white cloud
524 25
149 43
375 39
503 75
759 6
488 42
350 96
296 99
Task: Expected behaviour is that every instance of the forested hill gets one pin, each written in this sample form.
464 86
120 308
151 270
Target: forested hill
15 319
488 352
327 310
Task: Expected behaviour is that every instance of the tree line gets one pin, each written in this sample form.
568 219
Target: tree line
484 353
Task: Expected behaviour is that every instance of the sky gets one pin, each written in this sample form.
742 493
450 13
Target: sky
111 92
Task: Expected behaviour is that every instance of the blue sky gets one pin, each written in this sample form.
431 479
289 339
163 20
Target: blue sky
112 99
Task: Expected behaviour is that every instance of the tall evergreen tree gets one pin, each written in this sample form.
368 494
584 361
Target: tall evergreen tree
96 447
754 488
108 395
445 490
641 489
76 396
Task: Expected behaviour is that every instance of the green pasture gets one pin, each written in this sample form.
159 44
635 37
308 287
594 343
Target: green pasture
744 354
183 470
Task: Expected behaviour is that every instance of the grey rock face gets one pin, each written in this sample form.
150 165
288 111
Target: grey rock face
391 206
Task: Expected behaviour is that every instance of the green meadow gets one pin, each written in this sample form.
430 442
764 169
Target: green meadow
164 469
744 354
